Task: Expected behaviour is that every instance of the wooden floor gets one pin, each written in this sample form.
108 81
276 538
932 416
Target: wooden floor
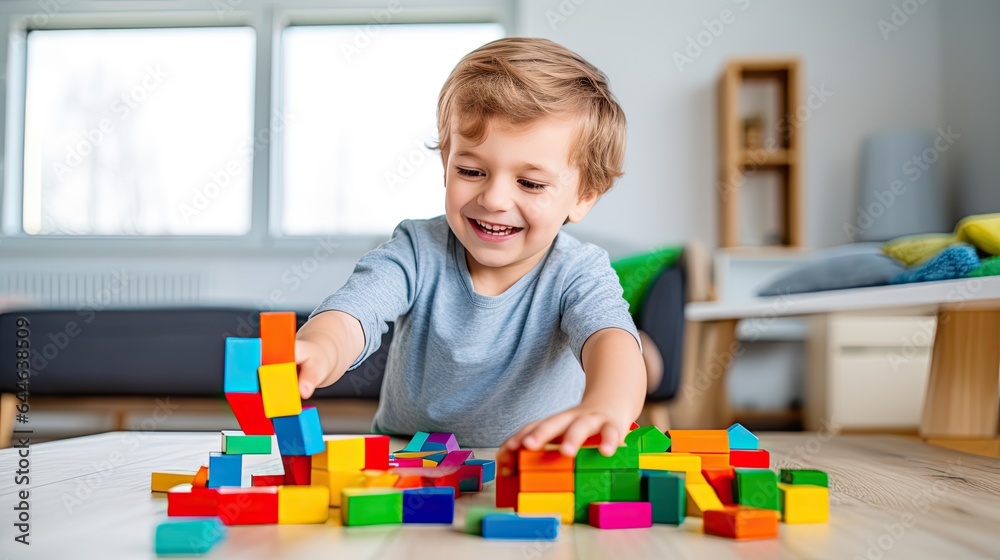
890 498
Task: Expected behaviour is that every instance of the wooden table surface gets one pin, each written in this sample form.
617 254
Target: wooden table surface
890 497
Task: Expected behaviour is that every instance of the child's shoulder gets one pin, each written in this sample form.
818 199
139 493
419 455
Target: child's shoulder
571 254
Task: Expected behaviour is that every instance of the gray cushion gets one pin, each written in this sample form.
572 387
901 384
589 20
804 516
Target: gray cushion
836 273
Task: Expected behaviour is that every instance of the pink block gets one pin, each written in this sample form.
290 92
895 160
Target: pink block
621 515
440 441
406 462
456 458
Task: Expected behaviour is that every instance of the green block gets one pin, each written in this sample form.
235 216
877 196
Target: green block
590 459
648 439
371 506
188 536
474 518
590 486
625 486
805 476
666 492
757 488
237 443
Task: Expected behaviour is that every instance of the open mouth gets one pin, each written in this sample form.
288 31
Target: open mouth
494 230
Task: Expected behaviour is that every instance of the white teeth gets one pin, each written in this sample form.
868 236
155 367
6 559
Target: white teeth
495 230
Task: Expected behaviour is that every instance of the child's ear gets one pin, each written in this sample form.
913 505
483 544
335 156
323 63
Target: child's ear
582 206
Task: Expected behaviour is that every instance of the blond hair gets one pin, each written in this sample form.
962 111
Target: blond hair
519 80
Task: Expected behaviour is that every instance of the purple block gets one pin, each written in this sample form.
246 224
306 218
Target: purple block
456 458
439 441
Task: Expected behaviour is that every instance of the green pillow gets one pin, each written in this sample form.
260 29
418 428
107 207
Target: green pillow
982 231
637 272
915 249
989 267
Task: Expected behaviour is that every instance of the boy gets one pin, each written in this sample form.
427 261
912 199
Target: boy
495 310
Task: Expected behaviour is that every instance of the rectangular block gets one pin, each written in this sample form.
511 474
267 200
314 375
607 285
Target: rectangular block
439 441
267 479
621 515
277 336
433 476
626 486
185 500
300 434
303 504
163 481
507 489
429 505
474 518
757 488
406 463
248 408
804 503
298 470
416 442
722 480
456 458
341 453
225 470
235 442
248 506
554 503
379 479
489 468
714 461
546 459
591 486
240 368
547 481
757 459
742 523
337 481
680 462
699 441
590 459
377 452
666 493
371 506
805 476
515 527
187 536
279 388
701 498
470 478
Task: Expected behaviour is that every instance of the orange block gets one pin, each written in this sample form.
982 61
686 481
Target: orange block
714 461
277 337
546 459
741 522
200 478
547 481
699 441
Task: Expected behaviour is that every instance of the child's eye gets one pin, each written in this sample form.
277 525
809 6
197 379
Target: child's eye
531 184
469 172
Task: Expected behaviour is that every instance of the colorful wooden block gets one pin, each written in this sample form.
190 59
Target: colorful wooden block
507 489
591 486
439 441
648 439
303 504
300 434
371 506
224 470
377 452
742 438
298 470
456 458
379 479
235 442
337 481
804 503
163 481
590 459
412 454
741 523
201 477
554 503
621 515
714 461
474 518
341 453
625 486
757 488
721 480
187 536
406 463
248 506
249 411
805 476
680 462
701 498
277 335
489 467
185 500
416 443
433 476
699 441
240 368
755 459
267 479
548 458
515 527
470 478
665 491
547 481
279 388
429 505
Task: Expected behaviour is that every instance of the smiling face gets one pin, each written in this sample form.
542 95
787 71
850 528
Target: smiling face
508 196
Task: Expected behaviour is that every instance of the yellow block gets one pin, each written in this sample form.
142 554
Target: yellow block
279 389
303 504
804 503
414 454
163 481
380 479
687 463
341 454
552 503
336 481
701 497
691 479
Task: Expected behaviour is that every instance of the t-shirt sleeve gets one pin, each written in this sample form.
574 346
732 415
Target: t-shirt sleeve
382 287
592 300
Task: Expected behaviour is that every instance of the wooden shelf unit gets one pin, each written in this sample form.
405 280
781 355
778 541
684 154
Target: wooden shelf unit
782 154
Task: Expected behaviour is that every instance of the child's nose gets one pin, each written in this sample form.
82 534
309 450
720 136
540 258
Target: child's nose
495 196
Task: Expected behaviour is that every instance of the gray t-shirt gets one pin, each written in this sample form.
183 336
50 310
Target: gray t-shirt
478 366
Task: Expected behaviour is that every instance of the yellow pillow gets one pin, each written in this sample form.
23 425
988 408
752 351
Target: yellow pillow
983 231
915 249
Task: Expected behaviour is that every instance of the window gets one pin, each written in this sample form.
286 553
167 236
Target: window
358 105
138 131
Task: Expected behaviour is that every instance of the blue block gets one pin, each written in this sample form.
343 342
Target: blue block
741 438
301 434
513 526
489 468
188 536
225 470
240 369
417 442
429 505
437 457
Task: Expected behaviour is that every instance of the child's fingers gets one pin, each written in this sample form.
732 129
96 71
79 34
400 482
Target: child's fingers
310 377
547 429
514 441
610 439
578 432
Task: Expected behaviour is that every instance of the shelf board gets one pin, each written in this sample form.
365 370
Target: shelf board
765 158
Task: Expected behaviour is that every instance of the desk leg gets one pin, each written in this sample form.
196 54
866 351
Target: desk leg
702 401
961 399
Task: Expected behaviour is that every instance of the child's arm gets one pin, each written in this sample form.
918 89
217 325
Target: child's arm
613 398
325 347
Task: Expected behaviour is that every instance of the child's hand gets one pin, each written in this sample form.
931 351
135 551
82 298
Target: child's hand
315 366
575 425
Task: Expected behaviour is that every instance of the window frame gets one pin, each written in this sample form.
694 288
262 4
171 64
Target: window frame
268 19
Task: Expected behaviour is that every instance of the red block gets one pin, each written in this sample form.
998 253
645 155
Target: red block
248 506
277 337
249 411
743 523
377 453
472 472
507 490
298 470
197 502
751 459
267 479
722 481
